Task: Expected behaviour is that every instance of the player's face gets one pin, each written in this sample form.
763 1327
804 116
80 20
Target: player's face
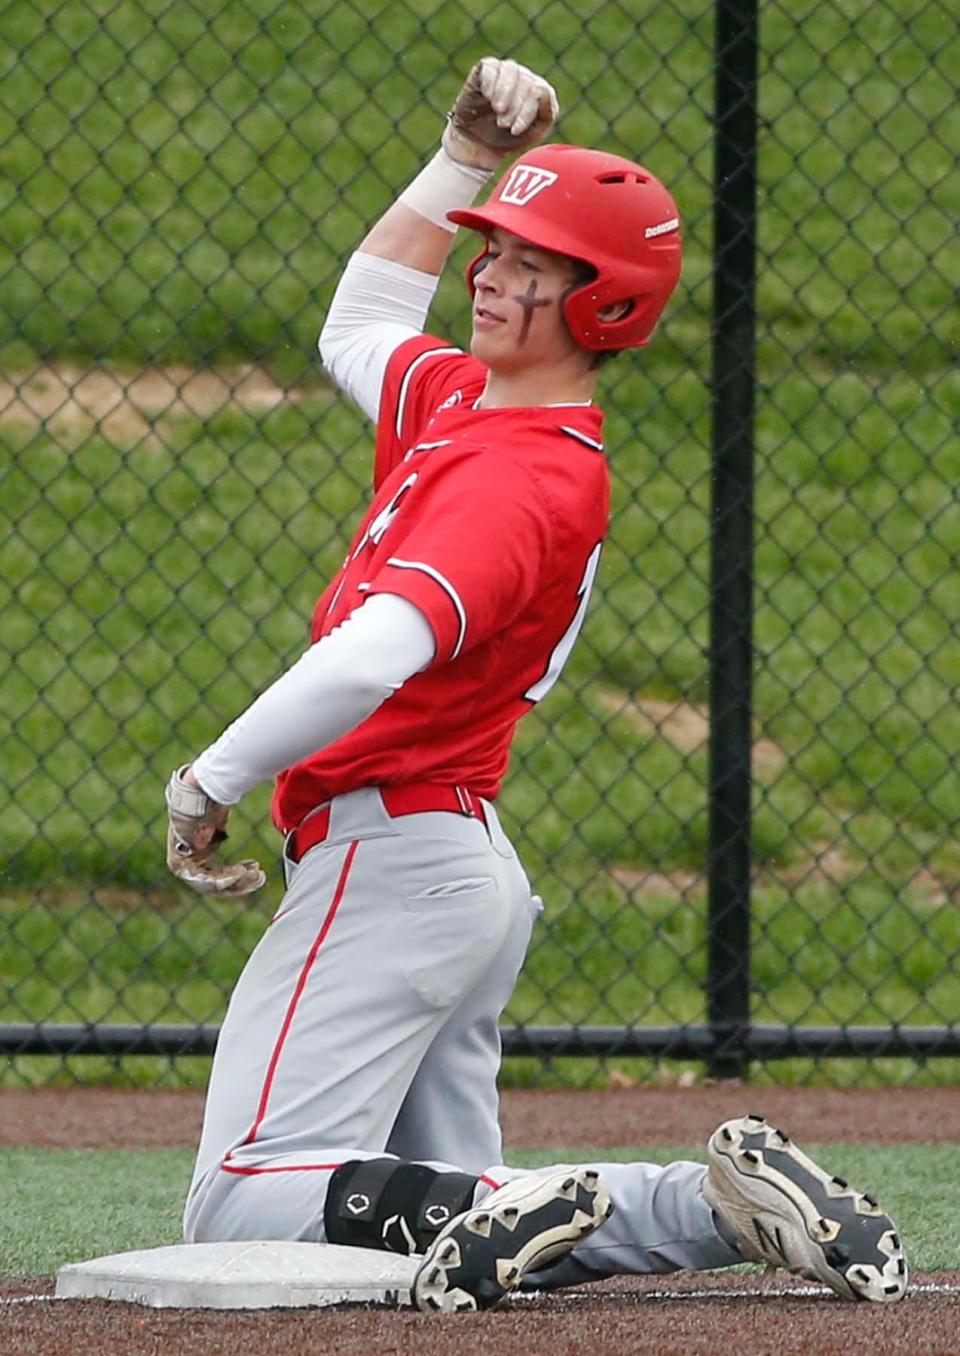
518 319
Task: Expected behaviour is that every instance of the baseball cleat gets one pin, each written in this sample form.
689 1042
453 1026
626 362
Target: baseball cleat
786 1211
481 1255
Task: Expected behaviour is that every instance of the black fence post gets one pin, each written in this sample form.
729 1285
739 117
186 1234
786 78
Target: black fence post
731 589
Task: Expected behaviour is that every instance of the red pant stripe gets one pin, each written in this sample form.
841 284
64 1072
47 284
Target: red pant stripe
258 1172
298 991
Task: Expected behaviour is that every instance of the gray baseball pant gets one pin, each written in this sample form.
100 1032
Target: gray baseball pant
366 1022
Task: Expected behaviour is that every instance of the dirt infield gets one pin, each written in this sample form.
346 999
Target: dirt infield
707 1315
687 1315
91 1118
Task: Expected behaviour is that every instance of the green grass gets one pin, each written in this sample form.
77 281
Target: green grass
599 957
174 582
188 191
174 579
95 1202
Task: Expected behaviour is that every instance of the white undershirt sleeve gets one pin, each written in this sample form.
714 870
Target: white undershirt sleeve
379 302
377 306
336 684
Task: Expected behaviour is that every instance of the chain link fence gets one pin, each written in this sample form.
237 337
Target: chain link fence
180 186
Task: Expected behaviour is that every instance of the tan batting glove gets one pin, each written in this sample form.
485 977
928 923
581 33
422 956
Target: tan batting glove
197 828
503 108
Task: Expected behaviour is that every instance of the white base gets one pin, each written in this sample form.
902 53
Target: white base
243 1276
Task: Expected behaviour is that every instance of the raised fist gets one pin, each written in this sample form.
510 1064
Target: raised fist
503 108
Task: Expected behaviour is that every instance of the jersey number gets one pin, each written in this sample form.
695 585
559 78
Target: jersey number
561 651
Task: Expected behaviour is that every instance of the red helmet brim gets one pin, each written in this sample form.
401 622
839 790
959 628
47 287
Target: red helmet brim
544 235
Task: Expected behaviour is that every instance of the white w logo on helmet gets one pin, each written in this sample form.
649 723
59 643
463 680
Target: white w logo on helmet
525 182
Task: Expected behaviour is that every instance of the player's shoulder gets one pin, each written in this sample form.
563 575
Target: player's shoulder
532 437
430 374
424 376
564 457
562 444
562 470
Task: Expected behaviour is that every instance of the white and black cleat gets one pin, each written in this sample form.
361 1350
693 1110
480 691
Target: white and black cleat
784 1210
481 1255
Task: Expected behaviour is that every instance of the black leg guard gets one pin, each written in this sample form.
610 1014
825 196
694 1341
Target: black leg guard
386 1203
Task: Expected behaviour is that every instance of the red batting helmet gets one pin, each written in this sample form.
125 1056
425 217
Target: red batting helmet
606 211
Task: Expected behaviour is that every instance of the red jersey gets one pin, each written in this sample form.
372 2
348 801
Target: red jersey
491 523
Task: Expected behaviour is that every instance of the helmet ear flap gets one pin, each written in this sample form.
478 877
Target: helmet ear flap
582 307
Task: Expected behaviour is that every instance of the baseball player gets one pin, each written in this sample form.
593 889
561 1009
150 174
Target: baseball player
353 1095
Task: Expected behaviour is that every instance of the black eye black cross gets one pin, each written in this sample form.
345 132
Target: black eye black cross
530 302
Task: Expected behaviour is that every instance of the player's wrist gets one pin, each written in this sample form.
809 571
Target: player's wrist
186 797
468 153
444 185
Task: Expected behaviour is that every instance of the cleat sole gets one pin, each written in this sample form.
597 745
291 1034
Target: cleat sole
786 1211
483 1254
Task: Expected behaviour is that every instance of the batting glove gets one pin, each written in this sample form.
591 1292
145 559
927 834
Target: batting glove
196 830
503 108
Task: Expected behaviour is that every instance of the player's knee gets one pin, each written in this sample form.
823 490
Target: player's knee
210 1215
202 1225
387 1203
227 1222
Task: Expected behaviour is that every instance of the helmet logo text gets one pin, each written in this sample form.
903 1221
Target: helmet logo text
524 182
662 228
